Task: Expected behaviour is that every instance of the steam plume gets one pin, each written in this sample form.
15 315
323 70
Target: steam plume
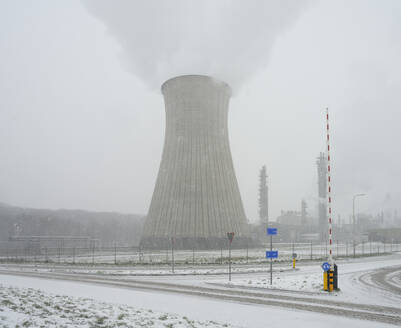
227 39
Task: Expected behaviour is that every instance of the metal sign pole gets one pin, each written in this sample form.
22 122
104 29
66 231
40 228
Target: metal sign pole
193 253
115 253
230 236
229 261
221 252
271 254
172 254
271 260
93 252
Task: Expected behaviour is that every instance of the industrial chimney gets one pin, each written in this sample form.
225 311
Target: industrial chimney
196 199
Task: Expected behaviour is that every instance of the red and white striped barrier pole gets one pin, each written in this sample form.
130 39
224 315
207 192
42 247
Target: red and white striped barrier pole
329 200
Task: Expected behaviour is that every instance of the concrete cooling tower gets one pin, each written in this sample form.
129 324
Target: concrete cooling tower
196 199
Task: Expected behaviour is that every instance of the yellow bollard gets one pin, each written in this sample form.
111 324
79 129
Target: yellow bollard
331 280
325 281
293 263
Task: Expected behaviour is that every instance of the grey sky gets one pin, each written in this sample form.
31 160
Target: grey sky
80 130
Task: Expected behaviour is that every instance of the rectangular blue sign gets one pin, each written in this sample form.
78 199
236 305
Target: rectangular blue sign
272 231
271 254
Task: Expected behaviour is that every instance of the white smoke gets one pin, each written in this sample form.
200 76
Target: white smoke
228 39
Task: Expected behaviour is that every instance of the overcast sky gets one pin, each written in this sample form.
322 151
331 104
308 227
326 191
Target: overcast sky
82 127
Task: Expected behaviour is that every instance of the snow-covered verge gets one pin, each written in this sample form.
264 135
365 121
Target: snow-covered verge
27 307
306 282
158 272
354 280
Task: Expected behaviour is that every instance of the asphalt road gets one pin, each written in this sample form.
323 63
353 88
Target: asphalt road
384 314
385 278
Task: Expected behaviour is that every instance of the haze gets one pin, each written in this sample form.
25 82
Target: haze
82 117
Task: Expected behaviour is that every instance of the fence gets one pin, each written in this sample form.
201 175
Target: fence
136 256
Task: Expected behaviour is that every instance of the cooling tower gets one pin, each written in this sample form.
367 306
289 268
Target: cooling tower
196 199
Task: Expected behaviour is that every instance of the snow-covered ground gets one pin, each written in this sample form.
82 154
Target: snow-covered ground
140 271
305 281
175 306
28 307
309 279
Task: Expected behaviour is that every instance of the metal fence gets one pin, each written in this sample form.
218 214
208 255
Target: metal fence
136 256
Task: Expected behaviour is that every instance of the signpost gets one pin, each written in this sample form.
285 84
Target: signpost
327 277
271 254
230 236
115 253
326 266
172 253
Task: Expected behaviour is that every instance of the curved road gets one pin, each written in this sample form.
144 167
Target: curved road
388 279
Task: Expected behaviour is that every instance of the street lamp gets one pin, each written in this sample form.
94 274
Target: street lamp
353 217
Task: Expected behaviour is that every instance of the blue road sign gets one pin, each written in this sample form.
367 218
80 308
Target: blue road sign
271 254
326 266
272 231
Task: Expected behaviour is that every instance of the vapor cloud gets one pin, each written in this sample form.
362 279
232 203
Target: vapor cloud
227 39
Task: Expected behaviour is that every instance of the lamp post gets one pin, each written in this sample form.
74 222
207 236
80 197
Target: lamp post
353 218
